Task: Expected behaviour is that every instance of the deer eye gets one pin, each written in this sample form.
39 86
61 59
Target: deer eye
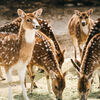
28 20
80 17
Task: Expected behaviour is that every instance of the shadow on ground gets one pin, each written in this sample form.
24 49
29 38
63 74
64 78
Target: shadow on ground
34 96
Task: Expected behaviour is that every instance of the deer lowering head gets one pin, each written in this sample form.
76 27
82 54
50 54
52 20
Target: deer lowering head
47 61
58 84
89 64
84 16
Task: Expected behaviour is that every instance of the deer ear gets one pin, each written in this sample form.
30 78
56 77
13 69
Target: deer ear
64 74
77 12
21 13
53 75
38 12
63 51
90 11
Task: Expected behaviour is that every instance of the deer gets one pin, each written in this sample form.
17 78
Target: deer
79 28
90 62
16 50
47 30
47 61
40 47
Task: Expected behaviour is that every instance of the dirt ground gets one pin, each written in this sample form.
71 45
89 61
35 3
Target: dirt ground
58 18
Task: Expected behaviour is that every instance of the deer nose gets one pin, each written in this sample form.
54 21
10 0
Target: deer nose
59 99
37 26
83 23
83 98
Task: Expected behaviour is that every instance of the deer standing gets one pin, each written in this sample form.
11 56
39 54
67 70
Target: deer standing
90 62
16 50
79 28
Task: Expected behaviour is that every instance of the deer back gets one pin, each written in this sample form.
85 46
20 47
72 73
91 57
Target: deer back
91 58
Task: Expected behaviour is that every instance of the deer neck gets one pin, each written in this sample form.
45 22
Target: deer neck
27 38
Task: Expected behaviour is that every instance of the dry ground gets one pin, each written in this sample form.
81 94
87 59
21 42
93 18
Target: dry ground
58 18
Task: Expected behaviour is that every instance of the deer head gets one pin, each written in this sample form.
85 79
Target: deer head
84 82
58 84
84 16
30 19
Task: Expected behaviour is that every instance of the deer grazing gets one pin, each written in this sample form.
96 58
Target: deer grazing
42 56
16 50
79 27
90 62
47 61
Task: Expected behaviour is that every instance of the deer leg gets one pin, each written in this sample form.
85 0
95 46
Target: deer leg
80 50
9 78
48 84
75 54
32 76
75 43
21 74
1 75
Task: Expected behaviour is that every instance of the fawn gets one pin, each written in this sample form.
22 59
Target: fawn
16 50
79 27
90 62
47 61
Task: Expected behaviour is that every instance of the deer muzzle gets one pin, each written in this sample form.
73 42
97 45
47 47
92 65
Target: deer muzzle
83 97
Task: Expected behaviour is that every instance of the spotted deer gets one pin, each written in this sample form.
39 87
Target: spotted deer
16 50
40 54
79 27
47 61
90 62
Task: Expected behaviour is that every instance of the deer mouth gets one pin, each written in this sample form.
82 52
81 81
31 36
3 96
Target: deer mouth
83 97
